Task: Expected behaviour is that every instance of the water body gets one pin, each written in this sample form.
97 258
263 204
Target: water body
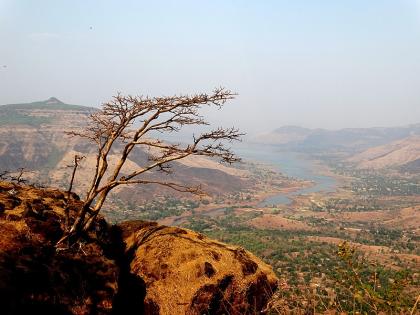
291 164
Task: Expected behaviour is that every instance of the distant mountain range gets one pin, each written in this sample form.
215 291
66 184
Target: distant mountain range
37 113
366 147
355 139
32 136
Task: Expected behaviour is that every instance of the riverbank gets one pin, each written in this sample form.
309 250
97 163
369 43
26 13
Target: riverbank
214 208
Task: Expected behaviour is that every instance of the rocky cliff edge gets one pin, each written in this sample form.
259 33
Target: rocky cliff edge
135 267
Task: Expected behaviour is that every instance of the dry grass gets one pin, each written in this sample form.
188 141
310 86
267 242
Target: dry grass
171 256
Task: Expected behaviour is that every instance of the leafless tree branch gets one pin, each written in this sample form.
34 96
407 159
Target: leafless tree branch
128 122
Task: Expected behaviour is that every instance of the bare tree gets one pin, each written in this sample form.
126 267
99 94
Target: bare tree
127 122
15 176
19 177
76 162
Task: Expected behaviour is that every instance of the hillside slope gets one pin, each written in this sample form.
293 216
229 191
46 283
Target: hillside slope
395 154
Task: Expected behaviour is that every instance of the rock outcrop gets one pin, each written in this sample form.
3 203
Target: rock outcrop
34 277
188 273
132 268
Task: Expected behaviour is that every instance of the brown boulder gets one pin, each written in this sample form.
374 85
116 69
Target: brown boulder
187 273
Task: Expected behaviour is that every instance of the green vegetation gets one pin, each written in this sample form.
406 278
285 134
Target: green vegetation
152 210
371 288
315 275
44 105
356 287
372 183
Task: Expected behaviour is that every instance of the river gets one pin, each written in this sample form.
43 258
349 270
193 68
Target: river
291 164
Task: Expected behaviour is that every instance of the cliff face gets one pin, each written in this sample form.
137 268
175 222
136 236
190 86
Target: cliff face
133 268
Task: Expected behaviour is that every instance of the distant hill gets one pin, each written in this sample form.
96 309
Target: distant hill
284 135
38 113
50 104
400 153
349 140
33 136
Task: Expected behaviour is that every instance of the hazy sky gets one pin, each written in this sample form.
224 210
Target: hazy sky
315 63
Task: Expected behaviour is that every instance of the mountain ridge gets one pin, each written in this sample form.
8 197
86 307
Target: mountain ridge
51 103
347 139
